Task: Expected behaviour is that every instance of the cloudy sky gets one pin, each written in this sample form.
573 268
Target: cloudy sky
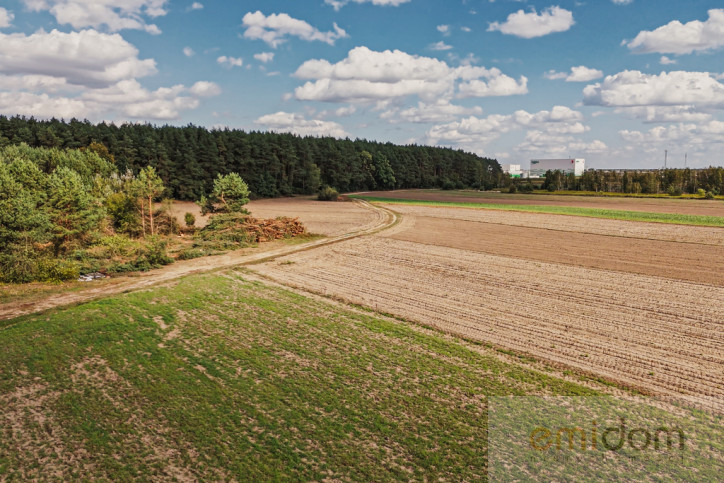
614 81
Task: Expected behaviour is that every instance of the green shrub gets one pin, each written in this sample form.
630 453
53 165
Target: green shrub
448 184
328 194
155 252
701 192
190 219
24 267
513 189
190 254
674 191
709 195
526 188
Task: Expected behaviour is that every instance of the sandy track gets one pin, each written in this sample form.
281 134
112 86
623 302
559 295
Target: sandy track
703 235
653 205
662 335
368 219
692 262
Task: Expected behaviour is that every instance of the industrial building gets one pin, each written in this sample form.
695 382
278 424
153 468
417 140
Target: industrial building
512 169
538 167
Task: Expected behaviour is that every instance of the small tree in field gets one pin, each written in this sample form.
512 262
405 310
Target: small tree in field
190 220
229 195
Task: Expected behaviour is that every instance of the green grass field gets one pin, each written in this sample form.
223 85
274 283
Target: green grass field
670 218
217 377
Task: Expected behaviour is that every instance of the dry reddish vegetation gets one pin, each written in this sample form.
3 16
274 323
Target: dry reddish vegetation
625 308
652 205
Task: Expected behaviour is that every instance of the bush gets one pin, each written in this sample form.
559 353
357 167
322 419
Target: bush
328 194
191 253
190 220
165 223
513 189
448 184
709 195
674 191
701 192
526 188
155 252
24 268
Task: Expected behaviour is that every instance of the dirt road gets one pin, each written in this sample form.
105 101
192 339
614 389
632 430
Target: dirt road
343 220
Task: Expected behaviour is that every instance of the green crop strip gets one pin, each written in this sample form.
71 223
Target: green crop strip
670 218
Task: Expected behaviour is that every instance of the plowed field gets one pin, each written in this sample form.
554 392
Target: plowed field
648 313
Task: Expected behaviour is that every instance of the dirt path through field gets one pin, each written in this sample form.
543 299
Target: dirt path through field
368 218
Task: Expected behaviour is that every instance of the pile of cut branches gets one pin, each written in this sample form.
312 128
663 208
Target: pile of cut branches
236 230
274 228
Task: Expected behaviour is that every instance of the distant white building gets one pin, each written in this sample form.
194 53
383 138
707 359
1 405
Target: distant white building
538 167
512 169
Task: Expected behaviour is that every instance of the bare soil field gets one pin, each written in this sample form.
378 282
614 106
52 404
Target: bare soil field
702 235
692 262
651 205
661 334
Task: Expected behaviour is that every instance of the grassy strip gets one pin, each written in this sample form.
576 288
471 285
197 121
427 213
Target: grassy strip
613 194
219 378
670 218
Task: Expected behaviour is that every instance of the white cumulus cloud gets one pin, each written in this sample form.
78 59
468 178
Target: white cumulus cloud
577 74
6 18
678 88
87 58
678 38
275 29
114 14
440 46
369 76
188 51
297 124
533 24
230 61
474 132
264 57
440 111
337 4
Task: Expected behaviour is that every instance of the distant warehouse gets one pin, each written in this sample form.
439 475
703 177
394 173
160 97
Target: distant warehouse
538 167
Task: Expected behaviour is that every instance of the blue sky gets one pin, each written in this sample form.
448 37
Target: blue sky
614 81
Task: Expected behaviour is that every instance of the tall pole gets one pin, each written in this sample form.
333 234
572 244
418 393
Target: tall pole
666 155
685 155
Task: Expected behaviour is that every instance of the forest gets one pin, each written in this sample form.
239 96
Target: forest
188 159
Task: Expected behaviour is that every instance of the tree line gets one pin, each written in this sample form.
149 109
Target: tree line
673 181
69 211
189 158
